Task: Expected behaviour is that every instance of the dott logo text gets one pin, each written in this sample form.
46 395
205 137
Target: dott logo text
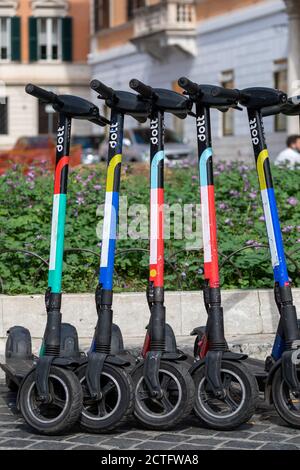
201 128
154 131
254 131
113 135
60 138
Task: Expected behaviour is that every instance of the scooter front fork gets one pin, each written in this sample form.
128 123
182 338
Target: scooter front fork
216 340
102 341
157 328
289 328
51 345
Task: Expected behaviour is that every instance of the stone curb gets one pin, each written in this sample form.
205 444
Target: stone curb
246 312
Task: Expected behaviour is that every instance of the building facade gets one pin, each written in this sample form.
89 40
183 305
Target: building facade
45 42
235 43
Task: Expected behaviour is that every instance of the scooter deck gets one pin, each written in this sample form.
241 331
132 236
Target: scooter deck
16 369
257 367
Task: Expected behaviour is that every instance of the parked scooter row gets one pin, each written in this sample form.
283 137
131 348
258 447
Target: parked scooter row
101 389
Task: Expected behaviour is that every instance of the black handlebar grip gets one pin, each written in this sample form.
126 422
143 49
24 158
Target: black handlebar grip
141 88
41 94
271 110
100 121
102 89
189 86
220 92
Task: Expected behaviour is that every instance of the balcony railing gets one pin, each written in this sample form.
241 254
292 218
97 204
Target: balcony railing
170 23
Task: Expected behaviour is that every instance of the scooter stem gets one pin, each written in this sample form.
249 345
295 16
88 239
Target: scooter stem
51 343
156 274
104 293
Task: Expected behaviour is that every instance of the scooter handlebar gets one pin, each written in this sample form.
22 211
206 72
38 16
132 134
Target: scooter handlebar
43 95
220 92
190 87
140 87
271 110
105 91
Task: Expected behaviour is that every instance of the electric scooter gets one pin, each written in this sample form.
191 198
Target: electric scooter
164 389
279 375
49 393
226 391
106 383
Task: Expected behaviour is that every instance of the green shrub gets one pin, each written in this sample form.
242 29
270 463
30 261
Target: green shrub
25 216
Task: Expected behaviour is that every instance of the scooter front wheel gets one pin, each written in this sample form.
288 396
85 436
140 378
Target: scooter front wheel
176 402
64 408
238 405
287 404
116 404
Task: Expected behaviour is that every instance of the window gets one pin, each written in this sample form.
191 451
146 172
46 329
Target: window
280 82
5 38
227 81
133 5
49 34
101 14
3 116
47 119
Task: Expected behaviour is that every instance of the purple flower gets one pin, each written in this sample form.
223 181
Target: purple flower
194 177
234 193
293 201
253 243
183 274
287 228
97 187
243 168
262 218
298 240
79 199
229 222
253 194
223 206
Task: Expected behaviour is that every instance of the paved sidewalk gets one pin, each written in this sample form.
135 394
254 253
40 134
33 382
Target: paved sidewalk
265 431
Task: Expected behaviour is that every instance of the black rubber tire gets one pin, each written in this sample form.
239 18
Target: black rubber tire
123 400
11 385
279 394
213 419
184 406
71 411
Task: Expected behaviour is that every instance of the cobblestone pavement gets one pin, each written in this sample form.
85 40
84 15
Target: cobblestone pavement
265 431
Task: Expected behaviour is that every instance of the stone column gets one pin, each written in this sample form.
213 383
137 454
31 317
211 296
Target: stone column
293 11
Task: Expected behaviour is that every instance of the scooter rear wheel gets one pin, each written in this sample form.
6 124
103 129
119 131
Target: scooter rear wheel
116 404
286 403
239 403
64 409
177 401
